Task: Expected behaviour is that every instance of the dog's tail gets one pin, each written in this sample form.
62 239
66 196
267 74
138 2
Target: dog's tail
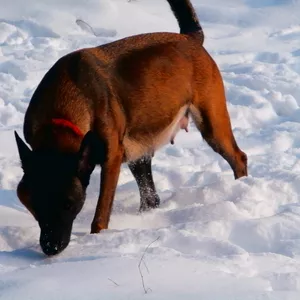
187 18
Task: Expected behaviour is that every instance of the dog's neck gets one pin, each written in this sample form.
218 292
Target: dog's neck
59 134
67 124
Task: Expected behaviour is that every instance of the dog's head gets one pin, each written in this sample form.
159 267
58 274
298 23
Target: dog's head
53 189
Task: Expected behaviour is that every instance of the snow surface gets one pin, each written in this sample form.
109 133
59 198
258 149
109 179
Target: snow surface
218 238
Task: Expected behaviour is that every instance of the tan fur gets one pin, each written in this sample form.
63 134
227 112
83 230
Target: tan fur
196 115
135 149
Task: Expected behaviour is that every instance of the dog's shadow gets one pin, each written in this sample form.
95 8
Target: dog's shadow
21 258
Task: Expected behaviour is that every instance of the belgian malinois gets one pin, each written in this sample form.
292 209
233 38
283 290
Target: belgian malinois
116 103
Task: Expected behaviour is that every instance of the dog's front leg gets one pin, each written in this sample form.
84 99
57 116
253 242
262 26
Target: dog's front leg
110 171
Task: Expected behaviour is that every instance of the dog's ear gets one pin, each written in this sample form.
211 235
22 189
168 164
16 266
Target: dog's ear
24 151
87 156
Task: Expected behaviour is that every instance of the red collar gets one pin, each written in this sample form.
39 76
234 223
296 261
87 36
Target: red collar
68 124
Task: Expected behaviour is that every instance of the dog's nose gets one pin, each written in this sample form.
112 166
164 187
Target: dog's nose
51 249
51 245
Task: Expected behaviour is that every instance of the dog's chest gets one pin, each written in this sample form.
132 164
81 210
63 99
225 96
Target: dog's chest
136 148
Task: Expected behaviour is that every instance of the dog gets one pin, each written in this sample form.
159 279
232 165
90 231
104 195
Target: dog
113 104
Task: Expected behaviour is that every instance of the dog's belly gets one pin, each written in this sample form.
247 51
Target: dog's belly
136 147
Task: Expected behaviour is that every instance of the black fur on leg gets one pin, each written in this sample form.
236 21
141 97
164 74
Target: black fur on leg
142 172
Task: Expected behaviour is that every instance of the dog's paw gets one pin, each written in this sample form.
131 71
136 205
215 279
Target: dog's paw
96 227
149 203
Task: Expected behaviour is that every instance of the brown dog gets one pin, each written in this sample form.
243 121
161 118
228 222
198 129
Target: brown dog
116 103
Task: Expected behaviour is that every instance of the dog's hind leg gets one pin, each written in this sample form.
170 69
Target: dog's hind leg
212 120
142 172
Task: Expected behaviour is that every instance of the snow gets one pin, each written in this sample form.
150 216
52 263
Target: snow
219 238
